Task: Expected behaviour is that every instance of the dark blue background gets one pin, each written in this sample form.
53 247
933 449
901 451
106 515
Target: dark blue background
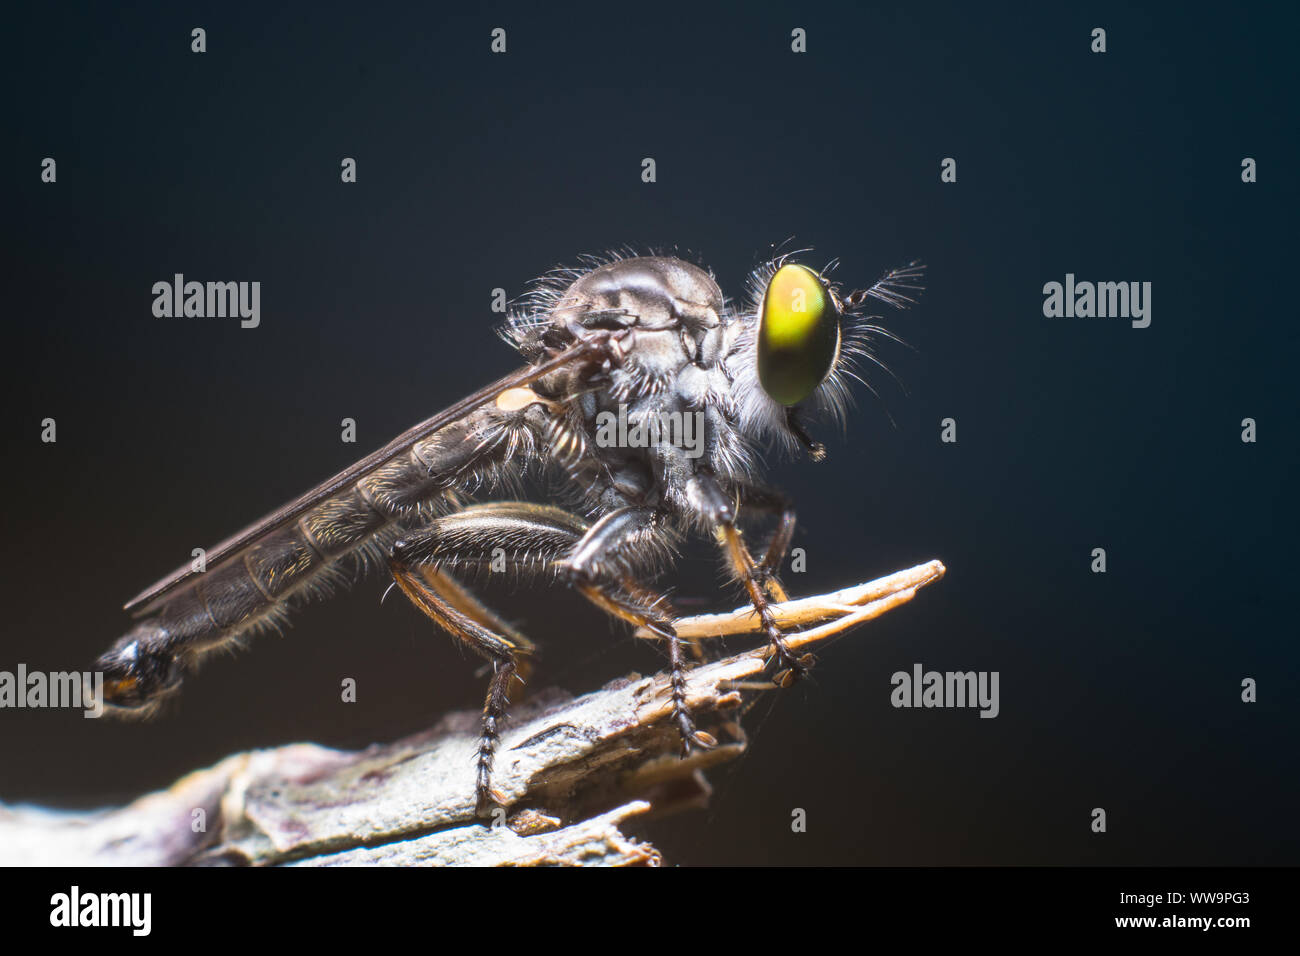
476 171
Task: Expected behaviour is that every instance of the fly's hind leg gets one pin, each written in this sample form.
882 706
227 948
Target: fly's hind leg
512 535
504 655
465 601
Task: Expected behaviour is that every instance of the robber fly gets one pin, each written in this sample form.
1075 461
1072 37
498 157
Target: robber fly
640 336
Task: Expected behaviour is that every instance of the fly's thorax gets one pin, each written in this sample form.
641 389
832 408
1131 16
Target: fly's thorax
647 292
663 417
663 407
668 313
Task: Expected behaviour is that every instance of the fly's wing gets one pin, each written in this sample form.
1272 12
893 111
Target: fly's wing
143 601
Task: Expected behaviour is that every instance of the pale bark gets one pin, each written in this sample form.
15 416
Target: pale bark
572 769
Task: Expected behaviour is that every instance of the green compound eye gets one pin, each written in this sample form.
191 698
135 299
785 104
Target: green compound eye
798 334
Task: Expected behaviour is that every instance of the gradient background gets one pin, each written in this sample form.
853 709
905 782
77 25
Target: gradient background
476 171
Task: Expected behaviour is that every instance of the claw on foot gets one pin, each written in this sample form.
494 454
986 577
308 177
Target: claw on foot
489 801
794 669
704 740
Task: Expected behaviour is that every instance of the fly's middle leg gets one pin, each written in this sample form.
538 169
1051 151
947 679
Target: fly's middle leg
598 567
530 540
647 613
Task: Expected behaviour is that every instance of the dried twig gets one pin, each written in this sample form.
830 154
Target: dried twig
572 770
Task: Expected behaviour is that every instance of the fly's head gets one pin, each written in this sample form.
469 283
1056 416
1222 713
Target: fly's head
801 343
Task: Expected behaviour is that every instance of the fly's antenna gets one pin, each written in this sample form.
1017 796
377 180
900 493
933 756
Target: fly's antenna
895 288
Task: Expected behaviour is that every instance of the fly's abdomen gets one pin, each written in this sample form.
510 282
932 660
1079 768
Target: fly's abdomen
328 546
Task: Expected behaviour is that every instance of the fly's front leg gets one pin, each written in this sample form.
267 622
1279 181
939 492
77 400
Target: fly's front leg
758 578
777 548
598 567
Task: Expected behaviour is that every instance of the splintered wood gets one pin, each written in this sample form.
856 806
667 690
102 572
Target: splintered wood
572 770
